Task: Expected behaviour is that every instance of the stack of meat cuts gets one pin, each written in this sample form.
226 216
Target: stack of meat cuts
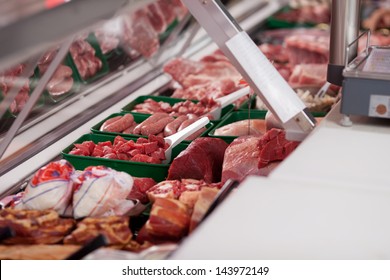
251 155
178 207
61 81
212 77
7 80
141 28
83 55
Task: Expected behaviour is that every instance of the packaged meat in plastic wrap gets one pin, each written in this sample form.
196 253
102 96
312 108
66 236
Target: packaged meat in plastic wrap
50 188
101 191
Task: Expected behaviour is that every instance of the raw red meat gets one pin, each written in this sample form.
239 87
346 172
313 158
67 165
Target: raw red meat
167 8
169 221
180 68
307 48
213 77
201 160
140 187
274 146
144 150
275 53
308 75
241 158
139 33
7 80
156 17
83 55
251 155
306 14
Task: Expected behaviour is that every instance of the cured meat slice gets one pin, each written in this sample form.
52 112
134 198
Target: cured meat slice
203 203
114 228
34 226
169 221
201 160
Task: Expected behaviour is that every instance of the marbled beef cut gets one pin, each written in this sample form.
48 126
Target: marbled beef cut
202 160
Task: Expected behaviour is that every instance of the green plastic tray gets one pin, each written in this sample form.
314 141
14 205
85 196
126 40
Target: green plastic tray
138 118
91 39
234 117
158 172
274 22
129 107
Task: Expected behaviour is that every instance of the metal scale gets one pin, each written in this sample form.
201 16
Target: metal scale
364 77
366 86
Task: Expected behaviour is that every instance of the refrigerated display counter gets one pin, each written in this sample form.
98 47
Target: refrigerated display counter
292 214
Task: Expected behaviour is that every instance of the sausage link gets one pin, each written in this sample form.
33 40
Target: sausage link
121 124
109 121
156 127
187 123
130 129
172 127
153 118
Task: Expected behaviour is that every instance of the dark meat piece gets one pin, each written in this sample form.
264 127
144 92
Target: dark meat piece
201 160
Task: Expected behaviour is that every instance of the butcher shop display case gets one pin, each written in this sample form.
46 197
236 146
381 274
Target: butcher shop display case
107 89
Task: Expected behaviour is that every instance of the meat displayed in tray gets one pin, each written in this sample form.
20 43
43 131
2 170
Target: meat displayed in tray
8 79
212 77
151 150
159 124
62 80
142 29
83 55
